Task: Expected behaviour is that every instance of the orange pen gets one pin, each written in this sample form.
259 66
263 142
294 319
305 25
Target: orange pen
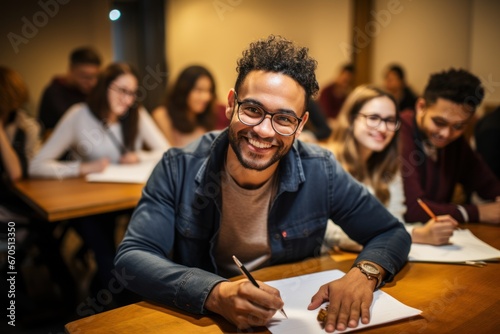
426 208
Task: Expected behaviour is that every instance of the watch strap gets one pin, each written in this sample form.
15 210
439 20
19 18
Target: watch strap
370 276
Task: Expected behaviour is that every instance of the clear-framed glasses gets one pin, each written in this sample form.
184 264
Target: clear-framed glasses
252 114
373 121
123 91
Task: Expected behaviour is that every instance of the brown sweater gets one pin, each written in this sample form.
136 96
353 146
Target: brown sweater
435 181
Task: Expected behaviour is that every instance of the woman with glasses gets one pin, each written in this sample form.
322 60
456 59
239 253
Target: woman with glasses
191 107
365 142
111 127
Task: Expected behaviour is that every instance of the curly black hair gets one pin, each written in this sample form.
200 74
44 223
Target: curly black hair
277 54
458 86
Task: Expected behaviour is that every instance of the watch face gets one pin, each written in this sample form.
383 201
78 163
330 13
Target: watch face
370 268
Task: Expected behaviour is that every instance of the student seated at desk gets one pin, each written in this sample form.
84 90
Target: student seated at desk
436 157
191 107
19 133
365 142
111 127
256 192
19 141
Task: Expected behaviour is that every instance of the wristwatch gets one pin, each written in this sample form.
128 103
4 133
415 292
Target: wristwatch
370 271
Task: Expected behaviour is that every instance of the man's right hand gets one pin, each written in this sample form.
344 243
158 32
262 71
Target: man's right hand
436 231
243 304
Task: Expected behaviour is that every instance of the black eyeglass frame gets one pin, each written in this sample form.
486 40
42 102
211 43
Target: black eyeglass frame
123 91
397 123
265 113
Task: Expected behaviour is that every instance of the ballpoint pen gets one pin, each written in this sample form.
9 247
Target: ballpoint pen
246 273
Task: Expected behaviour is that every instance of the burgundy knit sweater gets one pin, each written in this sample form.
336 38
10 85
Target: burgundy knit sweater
435 181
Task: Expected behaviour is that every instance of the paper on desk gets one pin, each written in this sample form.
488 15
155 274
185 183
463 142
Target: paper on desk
296 292
127 173
464 246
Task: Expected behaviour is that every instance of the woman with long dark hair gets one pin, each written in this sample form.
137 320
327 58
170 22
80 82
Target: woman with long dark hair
112 127
190 108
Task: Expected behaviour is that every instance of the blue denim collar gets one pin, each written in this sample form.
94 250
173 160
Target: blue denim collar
208 177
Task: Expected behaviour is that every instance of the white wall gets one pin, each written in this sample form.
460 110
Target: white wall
198 32
57 27
485 48
430 36
424 35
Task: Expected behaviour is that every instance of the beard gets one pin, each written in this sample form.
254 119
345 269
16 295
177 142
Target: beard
254 161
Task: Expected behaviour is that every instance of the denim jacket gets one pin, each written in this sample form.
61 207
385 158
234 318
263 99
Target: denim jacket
168 250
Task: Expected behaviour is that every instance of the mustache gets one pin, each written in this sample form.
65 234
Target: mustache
253 135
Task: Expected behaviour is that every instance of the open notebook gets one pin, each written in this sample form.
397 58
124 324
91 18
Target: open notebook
464 246
133 173
296 292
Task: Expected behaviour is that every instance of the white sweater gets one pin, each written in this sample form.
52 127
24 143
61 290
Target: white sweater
335 236
80 131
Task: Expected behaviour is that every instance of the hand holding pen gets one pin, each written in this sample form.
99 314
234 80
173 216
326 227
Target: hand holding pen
243 304
246 273
437 231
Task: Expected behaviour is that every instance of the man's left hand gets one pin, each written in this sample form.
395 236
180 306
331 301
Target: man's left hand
350 298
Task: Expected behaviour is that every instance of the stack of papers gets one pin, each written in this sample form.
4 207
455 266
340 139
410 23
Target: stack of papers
296 292
464 246
133 173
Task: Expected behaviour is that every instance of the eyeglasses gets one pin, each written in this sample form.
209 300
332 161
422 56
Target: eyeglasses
252 114
124 91
373 121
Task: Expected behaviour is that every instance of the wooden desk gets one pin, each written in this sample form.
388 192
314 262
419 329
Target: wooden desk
453 299
57 200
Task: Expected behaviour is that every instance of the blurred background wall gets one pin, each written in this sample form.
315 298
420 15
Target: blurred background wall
424 36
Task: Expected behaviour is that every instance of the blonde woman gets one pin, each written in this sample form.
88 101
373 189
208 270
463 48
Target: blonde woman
365 141
19 141
19 133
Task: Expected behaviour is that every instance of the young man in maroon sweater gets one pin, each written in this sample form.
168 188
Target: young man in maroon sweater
436 157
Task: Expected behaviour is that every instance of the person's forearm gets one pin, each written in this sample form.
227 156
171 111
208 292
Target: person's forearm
161 280
389 250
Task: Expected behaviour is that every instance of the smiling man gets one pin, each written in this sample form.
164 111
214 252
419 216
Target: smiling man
436 157
256 192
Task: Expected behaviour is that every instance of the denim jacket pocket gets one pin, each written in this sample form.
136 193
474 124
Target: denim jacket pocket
303 239
192 245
